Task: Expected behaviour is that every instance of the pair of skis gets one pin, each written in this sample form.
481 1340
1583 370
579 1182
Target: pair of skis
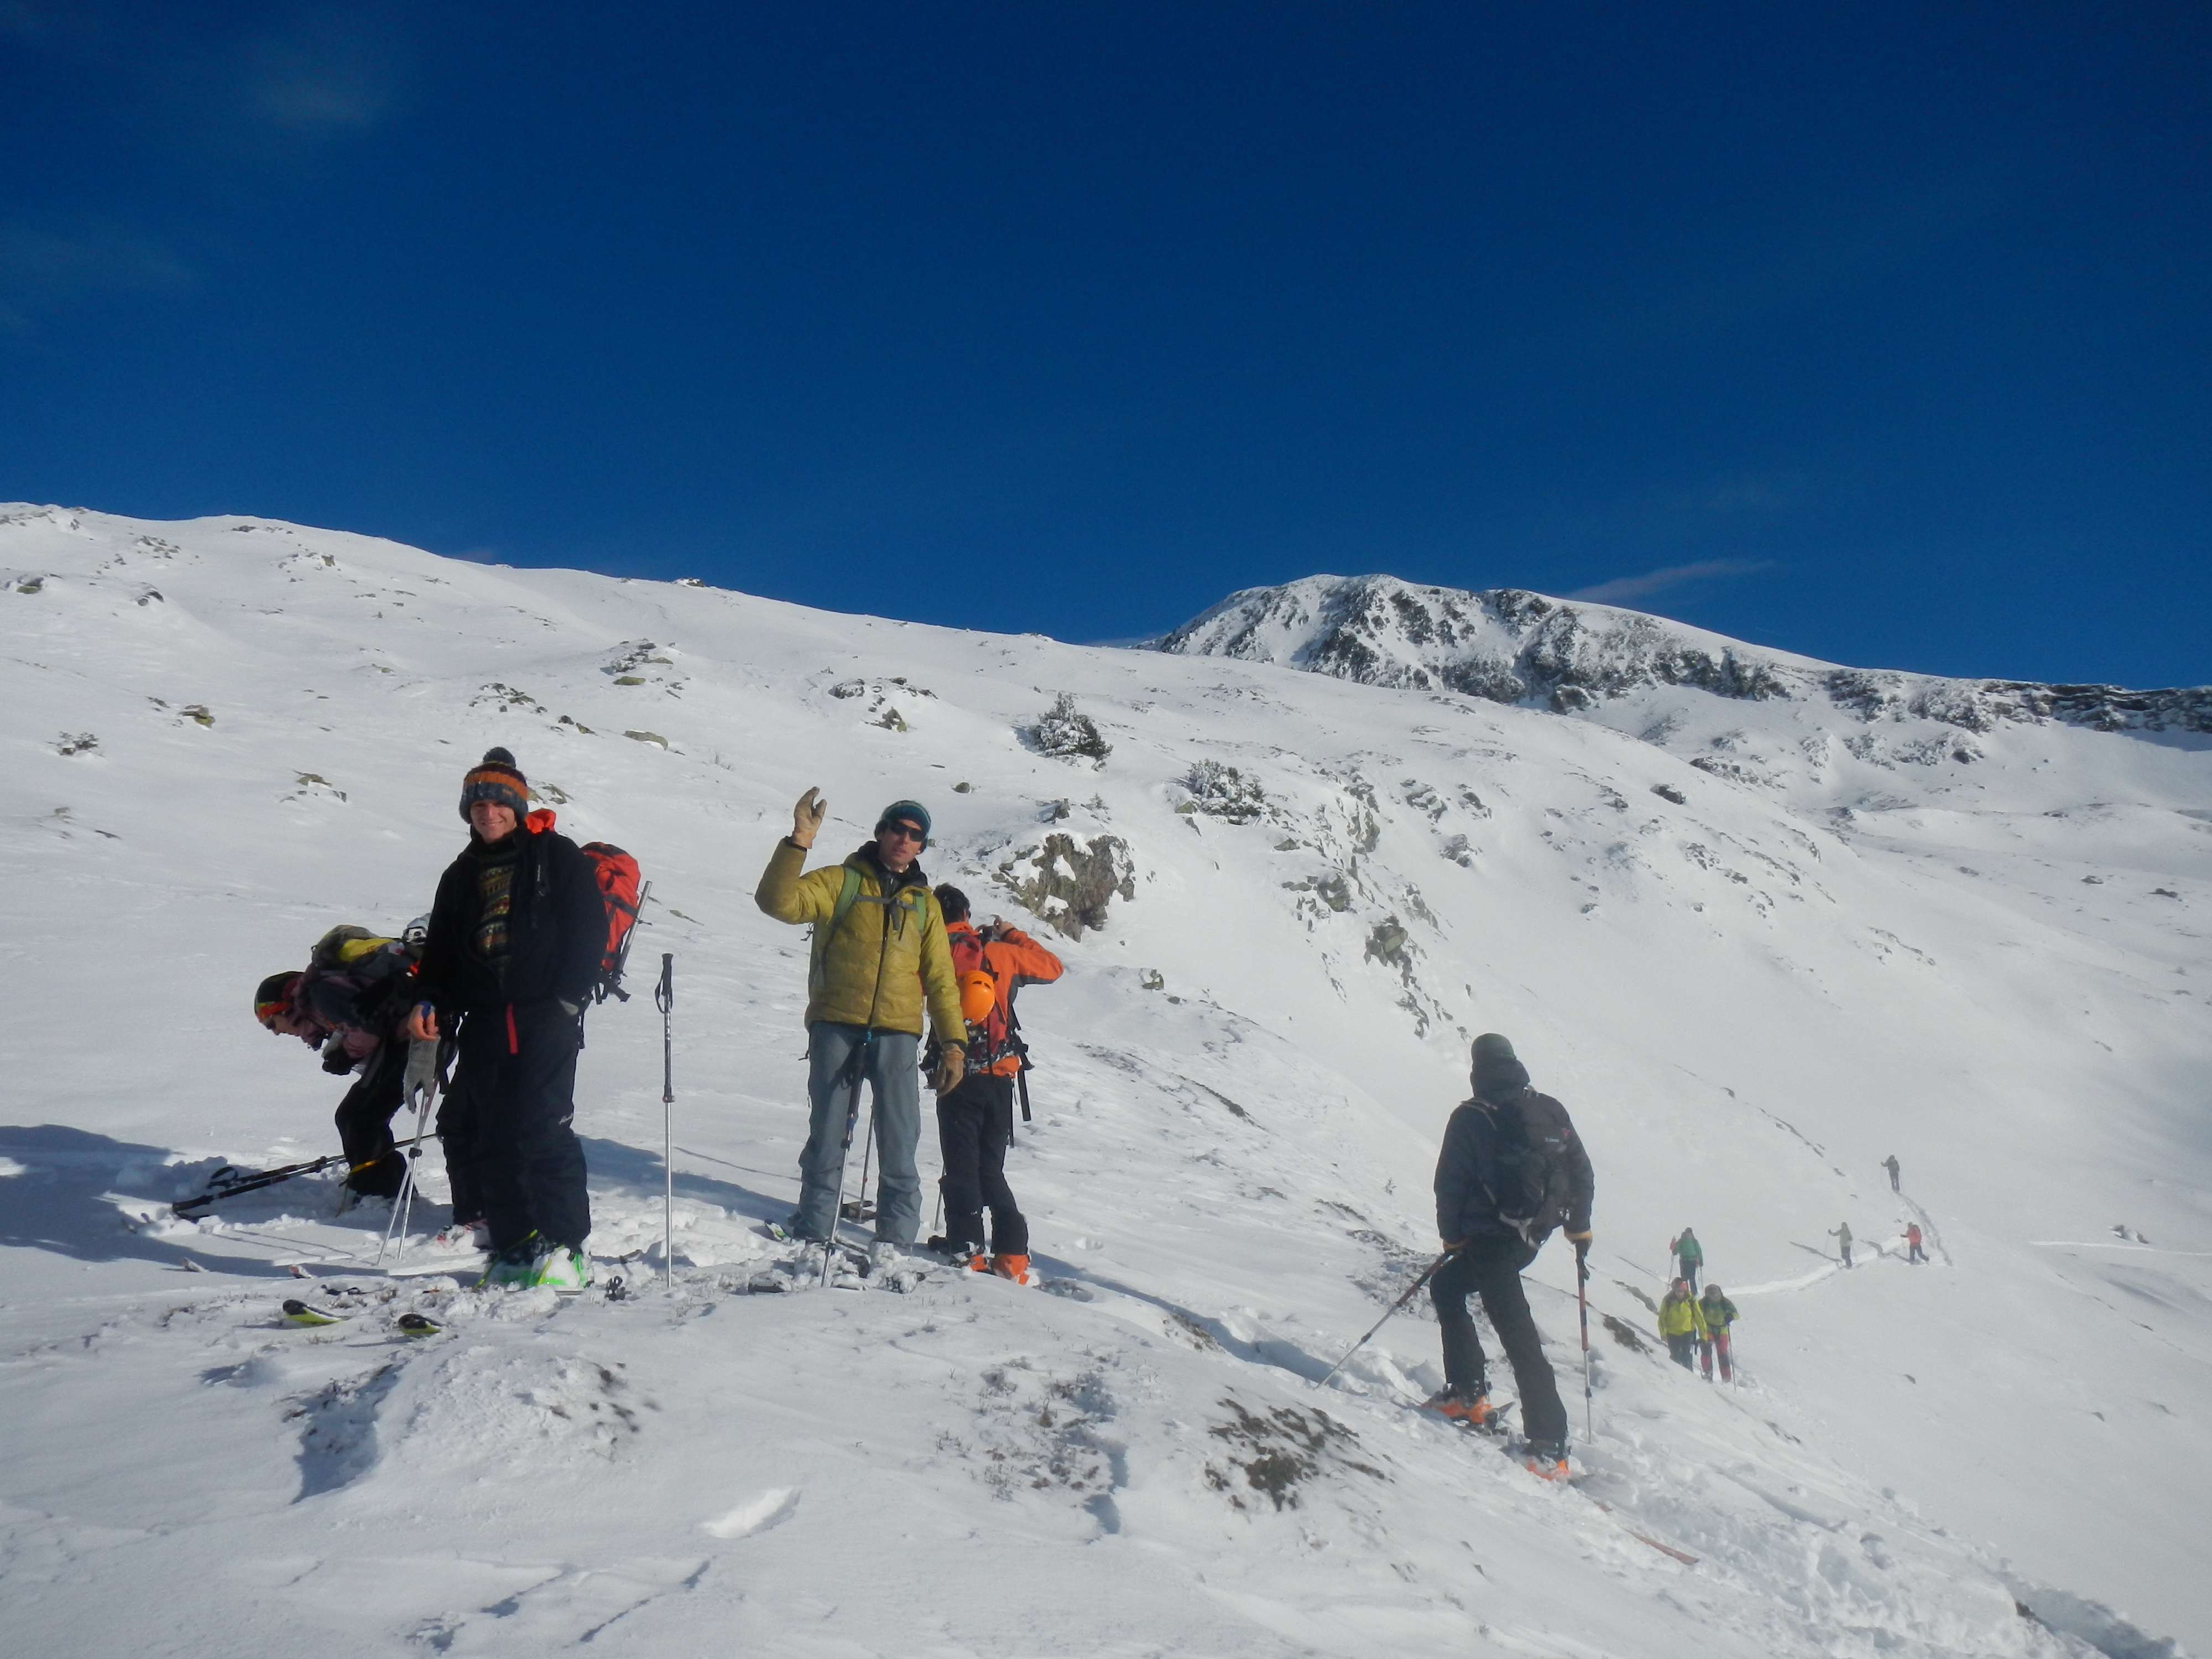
313 1315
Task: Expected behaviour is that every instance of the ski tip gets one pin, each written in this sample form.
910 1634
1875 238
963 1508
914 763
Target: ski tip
413 1324
301 1313
297 1271
192 1266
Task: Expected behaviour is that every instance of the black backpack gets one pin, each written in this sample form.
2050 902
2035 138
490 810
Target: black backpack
1529 1180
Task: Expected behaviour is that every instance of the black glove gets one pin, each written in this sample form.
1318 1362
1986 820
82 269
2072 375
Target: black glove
336 1060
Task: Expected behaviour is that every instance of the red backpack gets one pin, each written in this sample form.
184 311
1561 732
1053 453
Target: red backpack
616 872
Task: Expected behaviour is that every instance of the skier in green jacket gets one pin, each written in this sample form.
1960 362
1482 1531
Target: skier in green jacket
1719 1314
1690 1255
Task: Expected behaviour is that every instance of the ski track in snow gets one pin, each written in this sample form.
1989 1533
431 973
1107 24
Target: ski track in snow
1745 1005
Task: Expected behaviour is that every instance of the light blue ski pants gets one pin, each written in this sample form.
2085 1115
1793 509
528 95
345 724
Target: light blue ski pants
891 1071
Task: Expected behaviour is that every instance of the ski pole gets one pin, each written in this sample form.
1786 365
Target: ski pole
402 1205
867 1151
664 998
1427 1274
1581 1308
858 1069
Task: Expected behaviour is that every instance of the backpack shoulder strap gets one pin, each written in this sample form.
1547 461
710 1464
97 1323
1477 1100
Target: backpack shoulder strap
849 891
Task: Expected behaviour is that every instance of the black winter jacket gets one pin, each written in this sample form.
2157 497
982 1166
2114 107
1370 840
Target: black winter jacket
1476 1197
556 929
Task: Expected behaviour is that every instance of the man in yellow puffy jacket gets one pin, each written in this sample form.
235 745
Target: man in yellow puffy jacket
1682 1322
879 958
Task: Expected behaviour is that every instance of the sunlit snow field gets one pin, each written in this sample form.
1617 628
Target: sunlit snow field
222 736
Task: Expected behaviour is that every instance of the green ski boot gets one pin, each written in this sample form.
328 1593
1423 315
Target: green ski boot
516 1265
565 1270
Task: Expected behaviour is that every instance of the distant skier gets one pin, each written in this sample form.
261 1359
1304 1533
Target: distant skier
514 949
1681 1323
1890 1164
1718 1313
351 1002
1689 1256
879 960
975 1120
1511 1169
1841 1235
1915 1256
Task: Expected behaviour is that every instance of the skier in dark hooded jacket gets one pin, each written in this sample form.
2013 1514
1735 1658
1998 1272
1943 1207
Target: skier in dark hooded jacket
1512 1168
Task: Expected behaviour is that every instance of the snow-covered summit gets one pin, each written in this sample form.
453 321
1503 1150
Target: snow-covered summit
1514 647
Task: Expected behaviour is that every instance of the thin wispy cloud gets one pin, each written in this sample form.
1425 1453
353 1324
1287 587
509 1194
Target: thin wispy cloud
324 76
1627 590
43 271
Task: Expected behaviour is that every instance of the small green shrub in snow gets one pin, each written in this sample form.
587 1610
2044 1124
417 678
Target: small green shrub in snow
1066 732
1223 791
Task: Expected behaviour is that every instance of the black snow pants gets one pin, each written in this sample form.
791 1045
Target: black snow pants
520 1066
458 1133
973 1124
1491 1268
364 1120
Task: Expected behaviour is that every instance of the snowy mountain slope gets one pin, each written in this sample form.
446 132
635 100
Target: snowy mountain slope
1514 647
1745 999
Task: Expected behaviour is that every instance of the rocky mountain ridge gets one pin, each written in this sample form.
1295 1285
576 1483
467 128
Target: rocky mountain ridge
1510 646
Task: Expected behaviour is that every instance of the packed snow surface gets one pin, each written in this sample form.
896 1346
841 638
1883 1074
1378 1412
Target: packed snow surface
1286 900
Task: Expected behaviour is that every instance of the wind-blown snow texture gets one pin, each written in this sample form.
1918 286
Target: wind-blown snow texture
1781 938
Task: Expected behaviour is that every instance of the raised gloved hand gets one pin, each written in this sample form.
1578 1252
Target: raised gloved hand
421 1082
952 1067
806 816
336 1060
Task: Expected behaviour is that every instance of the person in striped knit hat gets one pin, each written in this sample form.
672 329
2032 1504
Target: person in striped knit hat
513 950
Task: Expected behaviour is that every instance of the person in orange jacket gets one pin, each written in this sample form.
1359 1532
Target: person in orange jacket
975 1120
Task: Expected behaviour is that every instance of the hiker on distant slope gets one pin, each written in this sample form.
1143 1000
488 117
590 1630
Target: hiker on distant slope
351 1002
975 1120
1890 1164
1689 1255
1914 1255
515 939
1511 1169
1682 1323
1841 1235
879 956
1718 1313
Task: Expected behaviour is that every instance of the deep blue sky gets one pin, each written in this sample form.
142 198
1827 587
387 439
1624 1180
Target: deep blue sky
1882 333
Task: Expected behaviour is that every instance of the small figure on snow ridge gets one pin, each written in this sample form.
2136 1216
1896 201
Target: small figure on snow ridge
1689 1256
1841 1235
1681 1323
1718 1313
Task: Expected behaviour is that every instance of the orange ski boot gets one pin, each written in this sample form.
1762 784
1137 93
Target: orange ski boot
1472 1409
1548 1461
1015 1267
